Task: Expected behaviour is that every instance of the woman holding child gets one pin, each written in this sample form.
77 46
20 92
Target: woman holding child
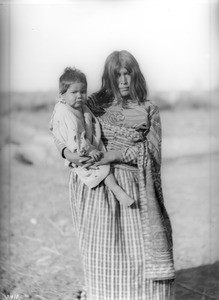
126 250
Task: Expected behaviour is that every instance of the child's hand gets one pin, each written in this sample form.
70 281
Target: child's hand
96 154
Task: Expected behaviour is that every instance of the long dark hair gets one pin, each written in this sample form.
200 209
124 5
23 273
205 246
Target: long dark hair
114 62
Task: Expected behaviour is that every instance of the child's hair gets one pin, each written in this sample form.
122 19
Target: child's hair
70 76
123 59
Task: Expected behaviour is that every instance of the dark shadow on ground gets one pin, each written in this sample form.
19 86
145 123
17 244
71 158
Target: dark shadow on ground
201 283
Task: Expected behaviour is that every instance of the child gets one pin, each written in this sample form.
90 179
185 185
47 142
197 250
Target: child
74 125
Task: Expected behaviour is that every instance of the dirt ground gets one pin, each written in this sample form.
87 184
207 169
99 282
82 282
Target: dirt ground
39 251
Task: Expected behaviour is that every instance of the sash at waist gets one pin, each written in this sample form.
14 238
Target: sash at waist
116 166
125 167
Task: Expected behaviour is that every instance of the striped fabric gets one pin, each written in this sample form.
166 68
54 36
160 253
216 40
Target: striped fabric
126 251
111 242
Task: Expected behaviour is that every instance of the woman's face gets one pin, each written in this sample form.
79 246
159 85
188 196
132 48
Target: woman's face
124 80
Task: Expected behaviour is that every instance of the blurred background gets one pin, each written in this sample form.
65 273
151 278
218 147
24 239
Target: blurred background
176 45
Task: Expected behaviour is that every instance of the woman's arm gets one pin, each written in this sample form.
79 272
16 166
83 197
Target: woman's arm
72 157
152 141
154 135
93 102
111 156
59 145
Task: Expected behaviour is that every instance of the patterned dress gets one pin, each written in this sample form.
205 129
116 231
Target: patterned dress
126 251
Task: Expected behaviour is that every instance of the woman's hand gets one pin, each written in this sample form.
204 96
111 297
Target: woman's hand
96 154
109 157
87 162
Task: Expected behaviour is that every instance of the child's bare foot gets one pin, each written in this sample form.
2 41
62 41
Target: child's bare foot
125 200
119 193
122 197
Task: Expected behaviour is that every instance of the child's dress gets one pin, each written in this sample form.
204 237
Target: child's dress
80 133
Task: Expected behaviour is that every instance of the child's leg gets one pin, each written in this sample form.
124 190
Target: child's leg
120 194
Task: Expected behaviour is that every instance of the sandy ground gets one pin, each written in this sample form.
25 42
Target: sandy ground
39 251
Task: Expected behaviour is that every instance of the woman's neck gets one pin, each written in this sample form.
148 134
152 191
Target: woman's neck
127 102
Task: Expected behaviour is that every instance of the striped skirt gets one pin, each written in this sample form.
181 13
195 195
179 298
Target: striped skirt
111 242
156 290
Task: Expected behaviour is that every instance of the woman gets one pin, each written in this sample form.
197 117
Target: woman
126 251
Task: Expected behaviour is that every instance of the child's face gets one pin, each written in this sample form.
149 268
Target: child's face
76 95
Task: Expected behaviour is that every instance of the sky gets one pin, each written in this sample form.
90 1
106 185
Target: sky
173 41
